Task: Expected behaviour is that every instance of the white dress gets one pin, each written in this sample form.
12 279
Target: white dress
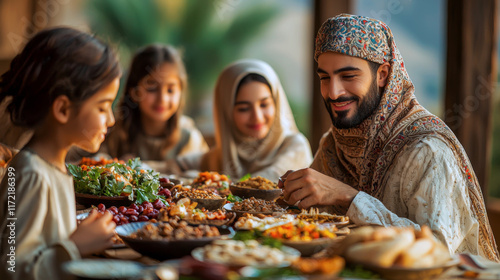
45 217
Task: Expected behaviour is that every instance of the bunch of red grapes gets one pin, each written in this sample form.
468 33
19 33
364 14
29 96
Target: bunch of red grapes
146 211
164 187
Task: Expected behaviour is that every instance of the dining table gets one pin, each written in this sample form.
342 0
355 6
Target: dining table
467 267
480 269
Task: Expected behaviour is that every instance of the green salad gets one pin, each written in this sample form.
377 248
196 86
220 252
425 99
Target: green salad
116 179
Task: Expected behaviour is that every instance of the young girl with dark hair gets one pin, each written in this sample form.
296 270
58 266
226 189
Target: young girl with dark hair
150 123
61 86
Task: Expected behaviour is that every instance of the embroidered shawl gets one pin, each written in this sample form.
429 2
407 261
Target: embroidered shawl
360 156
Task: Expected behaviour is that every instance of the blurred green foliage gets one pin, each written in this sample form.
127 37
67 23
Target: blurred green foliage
210 33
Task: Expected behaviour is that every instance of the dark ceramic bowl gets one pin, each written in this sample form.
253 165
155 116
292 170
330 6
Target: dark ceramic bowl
173 182
249 192
88 200
309 248
229 207
209 204
166 249
217 223
103 269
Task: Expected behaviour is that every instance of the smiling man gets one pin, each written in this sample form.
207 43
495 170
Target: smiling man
386 160
350 87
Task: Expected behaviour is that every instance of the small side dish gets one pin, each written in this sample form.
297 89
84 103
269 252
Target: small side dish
243 253
254 205
258 182
174 229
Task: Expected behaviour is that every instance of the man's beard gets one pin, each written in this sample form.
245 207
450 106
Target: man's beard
367 106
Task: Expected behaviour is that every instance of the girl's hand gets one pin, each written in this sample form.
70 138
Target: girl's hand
94 233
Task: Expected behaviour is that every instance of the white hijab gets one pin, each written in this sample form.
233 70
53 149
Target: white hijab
235 154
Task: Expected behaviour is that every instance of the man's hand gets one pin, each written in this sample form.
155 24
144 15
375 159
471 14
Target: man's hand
310 187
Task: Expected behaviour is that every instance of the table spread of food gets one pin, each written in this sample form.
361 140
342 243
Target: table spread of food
215 227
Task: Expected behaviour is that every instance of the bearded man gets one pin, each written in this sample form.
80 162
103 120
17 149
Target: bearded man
386 160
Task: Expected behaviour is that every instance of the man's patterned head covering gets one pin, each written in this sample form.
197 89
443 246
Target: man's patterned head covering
371 40
361 156
358 36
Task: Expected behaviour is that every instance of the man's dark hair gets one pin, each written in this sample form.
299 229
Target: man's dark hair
373 68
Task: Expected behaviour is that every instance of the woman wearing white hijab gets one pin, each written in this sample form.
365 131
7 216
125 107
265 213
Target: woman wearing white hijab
254 127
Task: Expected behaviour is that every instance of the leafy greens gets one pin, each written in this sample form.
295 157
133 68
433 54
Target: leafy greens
116 179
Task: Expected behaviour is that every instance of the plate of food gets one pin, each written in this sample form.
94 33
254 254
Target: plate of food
204 198
319 268
146 211
104 269
169 240
307 238
213 181
313 215
82 216
209 203
249 221
169 182
236 253
310 247
399 272
213 222
113 183
396 253
301 269
257 187
185 209
254 206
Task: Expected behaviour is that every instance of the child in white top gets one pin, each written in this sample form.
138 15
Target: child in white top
62 86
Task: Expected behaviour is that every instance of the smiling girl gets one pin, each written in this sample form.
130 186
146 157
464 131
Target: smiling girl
150 123
254 126
62 86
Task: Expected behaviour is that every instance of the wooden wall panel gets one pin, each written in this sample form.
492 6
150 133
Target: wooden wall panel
320 119
471 70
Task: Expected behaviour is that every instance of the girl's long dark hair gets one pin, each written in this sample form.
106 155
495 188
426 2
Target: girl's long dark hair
56 61
145 61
